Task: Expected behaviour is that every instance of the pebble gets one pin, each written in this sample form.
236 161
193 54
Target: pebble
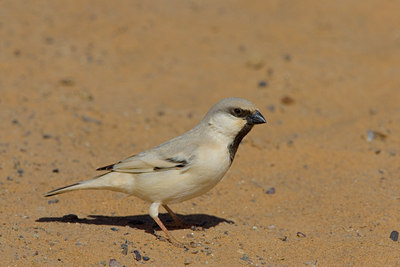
9 178
270 191
53 201
114 229
245 257
145 258
56 170
46 136
124 249
287 100
89 119
187 261
271 108
262 84
114 263
371 135
300 234
138 257
287 57
67 82
394 235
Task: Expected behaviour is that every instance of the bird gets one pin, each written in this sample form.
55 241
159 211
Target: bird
182 168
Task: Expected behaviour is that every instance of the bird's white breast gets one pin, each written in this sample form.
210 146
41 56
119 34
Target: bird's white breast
209 166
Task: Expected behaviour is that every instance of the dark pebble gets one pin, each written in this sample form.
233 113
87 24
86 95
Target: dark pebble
145 258
138 257
46 136
9 178
67 82
287 57
262 84
245 257
15 121
69 218
284 239
300 234
20 172
394 235
56 170
53 201
270 191
114 229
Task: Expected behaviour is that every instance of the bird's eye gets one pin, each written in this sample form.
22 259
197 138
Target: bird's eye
238 112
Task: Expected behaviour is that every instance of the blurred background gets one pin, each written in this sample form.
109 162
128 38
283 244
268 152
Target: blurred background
87 83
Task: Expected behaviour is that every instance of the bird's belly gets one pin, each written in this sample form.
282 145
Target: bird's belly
176 186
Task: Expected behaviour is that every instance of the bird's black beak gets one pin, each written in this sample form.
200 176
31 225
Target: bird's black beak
256 118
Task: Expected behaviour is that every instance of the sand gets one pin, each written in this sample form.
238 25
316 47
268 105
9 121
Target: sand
86 83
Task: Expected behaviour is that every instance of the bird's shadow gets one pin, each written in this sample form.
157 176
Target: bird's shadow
143 222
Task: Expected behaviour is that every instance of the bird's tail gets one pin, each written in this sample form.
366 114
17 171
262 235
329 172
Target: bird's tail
109 181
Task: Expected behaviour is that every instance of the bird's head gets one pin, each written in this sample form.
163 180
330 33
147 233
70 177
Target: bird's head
232 116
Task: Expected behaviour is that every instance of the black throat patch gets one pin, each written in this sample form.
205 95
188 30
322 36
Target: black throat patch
233 147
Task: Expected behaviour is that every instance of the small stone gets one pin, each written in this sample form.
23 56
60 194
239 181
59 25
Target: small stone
104 263
53 201
114 263
46 136
371 135
67 82
114 229
145 258
287 100
20 172
89 119
394 235
300 234
271 108
245 257
187 261
138 257
9 178
56 170
190 235
124 249
78 243
262 84
270 191
287 57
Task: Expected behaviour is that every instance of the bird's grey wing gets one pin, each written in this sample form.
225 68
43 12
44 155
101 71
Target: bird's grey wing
161 158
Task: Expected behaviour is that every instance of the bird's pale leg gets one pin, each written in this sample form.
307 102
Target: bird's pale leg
175 217
153 211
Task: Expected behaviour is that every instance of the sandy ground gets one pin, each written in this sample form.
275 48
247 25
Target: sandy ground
86 83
